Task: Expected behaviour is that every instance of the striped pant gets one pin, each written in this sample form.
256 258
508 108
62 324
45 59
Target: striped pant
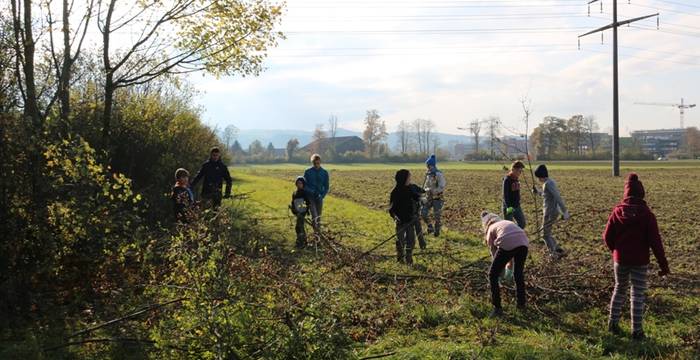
637 275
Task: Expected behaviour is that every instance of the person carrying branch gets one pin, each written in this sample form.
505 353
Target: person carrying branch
214 172
631 232
552 208
434 187
511 195
402 201
299 206
507 242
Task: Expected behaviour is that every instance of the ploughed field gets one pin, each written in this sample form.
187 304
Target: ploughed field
567 298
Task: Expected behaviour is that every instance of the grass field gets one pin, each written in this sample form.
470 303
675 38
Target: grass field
438 309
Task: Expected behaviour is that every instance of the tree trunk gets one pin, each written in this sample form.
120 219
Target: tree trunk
31 108
109 78
64 81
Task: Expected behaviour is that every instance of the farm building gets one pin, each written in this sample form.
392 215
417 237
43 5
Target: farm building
343 144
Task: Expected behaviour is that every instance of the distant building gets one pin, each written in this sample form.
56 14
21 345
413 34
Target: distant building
512 146
343 144
660 142
279 153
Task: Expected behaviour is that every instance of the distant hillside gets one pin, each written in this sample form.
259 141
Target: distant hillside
279 138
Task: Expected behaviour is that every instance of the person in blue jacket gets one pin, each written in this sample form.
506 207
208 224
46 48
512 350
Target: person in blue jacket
317 186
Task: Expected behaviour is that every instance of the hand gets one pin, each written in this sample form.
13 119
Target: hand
534 190
509 210
566 216
664 272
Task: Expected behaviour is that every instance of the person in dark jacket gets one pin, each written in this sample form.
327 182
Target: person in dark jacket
300 208
317 187
214 172
402 205
182 196
631 232
511 195
421 194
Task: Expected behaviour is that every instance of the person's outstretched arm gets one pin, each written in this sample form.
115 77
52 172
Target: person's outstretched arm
229 182
199 176
657 246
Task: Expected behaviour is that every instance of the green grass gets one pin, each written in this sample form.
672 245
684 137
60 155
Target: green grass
429 319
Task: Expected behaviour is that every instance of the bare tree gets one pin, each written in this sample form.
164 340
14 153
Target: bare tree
228 135
403 132
332 131
493 123
375 132
317 138
220 37
590 127
475 129
292 146
418 133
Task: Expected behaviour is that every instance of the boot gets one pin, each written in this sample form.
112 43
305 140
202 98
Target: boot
638 335
614 328
430 229
301 241
496 313
399 252
421 242
437 230
409 257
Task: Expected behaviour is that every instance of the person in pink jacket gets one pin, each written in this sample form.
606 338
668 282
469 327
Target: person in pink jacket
506 242
630 233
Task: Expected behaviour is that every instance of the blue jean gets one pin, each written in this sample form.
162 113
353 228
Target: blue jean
316 209
436 205
518 215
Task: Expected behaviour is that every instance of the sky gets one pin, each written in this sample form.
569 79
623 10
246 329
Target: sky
453 61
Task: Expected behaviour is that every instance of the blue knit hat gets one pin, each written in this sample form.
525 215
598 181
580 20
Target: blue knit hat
431 160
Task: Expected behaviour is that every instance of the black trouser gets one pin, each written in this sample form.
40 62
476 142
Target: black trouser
301 231
500 260
405 241
212 199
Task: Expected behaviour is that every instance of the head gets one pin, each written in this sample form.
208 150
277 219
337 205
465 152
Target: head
300 182
215 154
316 160
634 187
182 176
516 169
488 218
402 177
431 162
541 173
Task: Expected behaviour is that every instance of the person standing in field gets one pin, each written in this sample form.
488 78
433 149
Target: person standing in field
182 196
511 195
317 186
420 197
300 206
214 172
402 201
434 187
552 208
507 242
631 232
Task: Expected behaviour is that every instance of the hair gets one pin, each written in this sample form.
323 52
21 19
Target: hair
215 149
181 173
315 156
517 165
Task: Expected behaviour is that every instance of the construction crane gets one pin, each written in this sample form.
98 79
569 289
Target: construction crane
682 106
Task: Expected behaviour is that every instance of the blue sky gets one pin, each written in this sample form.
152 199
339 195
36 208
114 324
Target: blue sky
456 60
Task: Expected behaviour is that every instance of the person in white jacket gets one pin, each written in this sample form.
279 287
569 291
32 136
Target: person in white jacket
553 207
434 188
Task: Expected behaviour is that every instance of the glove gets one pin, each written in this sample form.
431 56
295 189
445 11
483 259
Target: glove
566 216
509 210
534 190
664 272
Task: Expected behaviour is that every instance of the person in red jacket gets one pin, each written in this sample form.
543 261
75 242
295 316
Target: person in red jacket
630 233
